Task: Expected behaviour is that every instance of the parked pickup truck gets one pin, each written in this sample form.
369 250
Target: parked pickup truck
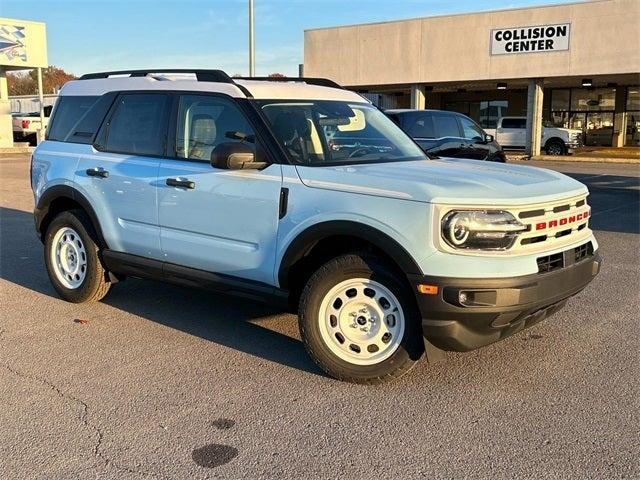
26 125
511 133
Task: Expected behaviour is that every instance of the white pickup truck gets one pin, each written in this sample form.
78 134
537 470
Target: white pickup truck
27 125
511 133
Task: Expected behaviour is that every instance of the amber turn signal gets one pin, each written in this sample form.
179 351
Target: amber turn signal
428 289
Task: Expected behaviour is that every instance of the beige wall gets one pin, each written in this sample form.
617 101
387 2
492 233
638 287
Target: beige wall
604 40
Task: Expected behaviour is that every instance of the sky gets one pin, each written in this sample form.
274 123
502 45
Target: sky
90 35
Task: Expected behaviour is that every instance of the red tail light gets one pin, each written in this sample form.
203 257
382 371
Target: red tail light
25 123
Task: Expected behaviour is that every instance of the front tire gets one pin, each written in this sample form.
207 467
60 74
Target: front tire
358 320
72 260
555 147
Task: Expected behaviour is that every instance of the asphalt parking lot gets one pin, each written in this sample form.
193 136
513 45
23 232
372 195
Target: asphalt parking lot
158 381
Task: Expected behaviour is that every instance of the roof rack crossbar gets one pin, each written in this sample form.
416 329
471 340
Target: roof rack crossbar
322 82
201 75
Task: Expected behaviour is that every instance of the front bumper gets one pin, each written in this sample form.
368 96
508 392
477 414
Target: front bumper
495 308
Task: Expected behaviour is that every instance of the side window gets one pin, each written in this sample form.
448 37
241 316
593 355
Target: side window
204 122
420 126
138 125
68 111
520 123
470 130
446 126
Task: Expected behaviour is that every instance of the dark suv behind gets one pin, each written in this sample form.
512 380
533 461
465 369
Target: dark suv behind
448 134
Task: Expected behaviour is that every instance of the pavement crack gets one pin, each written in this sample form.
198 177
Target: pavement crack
84 419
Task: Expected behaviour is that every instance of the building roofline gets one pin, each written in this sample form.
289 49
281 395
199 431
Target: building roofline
445 15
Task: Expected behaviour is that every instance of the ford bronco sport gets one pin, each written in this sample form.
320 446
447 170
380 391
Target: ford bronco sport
233 185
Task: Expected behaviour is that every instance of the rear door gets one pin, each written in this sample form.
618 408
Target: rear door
222 221
119 176
512 132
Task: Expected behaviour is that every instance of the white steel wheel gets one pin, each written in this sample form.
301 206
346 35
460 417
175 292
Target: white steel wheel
68 258
361 321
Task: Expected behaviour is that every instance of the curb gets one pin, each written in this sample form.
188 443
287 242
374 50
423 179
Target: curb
8 151
572 158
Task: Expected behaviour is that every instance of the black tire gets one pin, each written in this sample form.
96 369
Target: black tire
94 286
359 265
555 147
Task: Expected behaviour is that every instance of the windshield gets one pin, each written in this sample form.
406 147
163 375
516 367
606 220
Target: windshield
332 132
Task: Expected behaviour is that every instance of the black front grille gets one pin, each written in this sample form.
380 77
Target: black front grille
549 263
583 251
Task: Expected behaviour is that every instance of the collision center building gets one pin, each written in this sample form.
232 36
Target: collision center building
575 65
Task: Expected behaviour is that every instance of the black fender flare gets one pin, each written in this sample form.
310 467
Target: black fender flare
57 192
308 238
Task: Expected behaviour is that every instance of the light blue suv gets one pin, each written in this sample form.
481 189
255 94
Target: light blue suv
237 185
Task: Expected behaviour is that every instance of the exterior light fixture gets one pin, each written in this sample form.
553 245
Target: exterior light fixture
587 82
502 86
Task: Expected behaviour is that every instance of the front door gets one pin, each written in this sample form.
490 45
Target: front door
119 178
477 148
218 220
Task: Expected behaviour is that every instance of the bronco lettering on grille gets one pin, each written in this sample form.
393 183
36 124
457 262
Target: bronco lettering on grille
558 222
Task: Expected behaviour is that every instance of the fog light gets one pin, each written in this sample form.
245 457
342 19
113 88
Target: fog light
462 298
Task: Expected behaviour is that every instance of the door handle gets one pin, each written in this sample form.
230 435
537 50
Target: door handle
181 182
97 172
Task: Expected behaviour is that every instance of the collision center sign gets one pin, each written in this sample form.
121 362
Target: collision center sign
539 38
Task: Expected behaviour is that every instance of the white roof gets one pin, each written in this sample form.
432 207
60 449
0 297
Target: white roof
266 90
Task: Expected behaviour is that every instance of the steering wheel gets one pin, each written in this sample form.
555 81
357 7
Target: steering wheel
360 151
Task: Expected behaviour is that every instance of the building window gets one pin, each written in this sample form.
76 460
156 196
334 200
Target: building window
491 111
632 138
486 113
588 109
597 99
560 99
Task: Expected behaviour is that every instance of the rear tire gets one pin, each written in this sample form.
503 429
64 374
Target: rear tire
358 320
71 255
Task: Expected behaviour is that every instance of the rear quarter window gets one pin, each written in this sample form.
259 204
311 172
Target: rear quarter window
68 112
514 123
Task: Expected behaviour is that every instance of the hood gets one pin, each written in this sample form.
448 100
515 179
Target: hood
446 181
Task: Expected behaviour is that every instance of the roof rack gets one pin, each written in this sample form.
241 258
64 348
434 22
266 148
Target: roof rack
201 75
218 76
322 82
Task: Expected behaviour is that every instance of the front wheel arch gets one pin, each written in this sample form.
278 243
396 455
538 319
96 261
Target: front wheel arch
305 242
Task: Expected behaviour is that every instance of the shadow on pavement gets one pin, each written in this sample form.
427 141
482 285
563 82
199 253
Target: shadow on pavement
221 319
614 200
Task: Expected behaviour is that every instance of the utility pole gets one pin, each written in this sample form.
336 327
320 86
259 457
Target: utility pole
252 45
40 134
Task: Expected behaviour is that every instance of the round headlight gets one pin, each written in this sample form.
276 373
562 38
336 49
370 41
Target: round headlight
458 231
481 229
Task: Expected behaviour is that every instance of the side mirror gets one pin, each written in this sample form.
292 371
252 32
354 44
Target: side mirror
488 138
235 156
